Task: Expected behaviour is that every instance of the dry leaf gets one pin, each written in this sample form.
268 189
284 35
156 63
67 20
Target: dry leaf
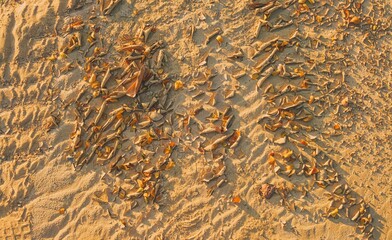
314 170
234 139
119 115
355 20
344 102
236 199
170 165
333 213
53 57
62 210
172 144
299 72
255 76
169 148
140 183
311 99
271 159
178 85
303 142
219 38
62 55
287 153
267 190
346 13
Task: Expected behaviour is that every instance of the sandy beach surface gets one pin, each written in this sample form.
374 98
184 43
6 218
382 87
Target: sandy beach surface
195 119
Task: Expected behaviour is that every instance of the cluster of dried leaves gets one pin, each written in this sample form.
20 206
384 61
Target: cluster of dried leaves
294 117
121 110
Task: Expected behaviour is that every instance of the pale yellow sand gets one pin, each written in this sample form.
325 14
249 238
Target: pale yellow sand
37 182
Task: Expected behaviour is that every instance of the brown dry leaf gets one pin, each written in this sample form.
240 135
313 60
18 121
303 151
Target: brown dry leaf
170 165
212 100
97 51
160 71
119 115
291 205
274 127
311 99
355 20
62 210
219 39
334 213
140 183
289 168
123 222
299 72
178 85
287 153
267 190
304 84
255 76
145 196
346 13
172 144
337 126
344 102
95 85
52 57
149 139
214 116
236 199
229 93
108 149
133 88
226 121
358 5
271 159
308 118
122 194
62 55
96 129
93 78
304 142
287 114
314 170
234 138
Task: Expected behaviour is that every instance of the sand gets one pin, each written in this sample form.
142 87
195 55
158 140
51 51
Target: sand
328 66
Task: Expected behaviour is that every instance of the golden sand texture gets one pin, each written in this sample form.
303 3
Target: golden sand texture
195 119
